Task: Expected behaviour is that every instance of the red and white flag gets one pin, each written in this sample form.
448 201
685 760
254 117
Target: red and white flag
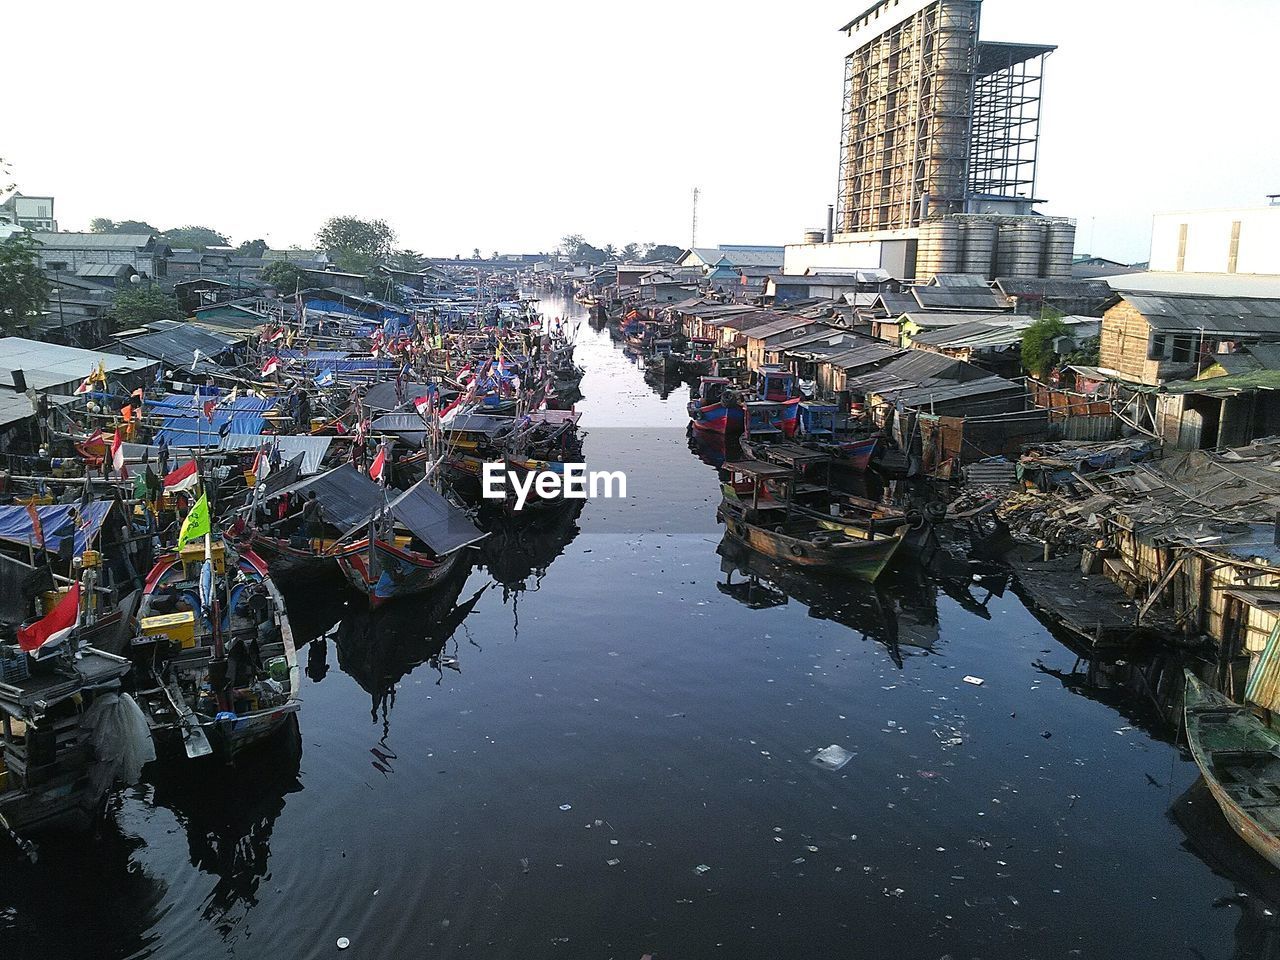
209 407
86 385
55 626
117 455
450 413
423 406
274 335
379 465
270 366
183 478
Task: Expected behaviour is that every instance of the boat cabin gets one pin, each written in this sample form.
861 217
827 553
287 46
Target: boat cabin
818 419
711 390
776 384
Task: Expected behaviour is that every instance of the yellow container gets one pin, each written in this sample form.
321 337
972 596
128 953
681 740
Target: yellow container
50 599
193 553
178 627
91 558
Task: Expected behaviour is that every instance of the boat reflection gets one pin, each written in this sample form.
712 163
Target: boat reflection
229 820
379 647
1257 885
82 892
899 611
520 548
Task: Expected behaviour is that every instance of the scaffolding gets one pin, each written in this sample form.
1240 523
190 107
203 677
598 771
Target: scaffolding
904 142
933 118
1006 119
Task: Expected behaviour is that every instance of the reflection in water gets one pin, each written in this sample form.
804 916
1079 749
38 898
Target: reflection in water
377 648
81 892
520 549
898 611
1257 884
228 816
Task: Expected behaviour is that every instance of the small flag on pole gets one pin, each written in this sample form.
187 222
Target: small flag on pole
183 478
55 626
271 366
117 454
379 465
197 523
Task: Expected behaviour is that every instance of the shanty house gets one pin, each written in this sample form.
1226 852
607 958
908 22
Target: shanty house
67 252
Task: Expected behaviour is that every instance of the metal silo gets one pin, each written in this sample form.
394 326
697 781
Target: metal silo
1060 250
979 247
939 249
1020 247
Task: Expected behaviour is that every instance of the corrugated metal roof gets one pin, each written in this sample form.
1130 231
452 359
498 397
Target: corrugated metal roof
959 280
960 298
112 270
938 320
93 241
1037 287
177 345
1214 314
922 396
48 366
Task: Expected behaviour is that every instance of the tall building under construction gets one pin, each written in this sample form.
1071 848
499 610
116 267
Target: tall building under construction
940 134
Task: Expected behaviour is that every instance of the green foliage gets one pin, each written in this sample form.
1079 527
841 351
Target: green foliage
140 304
103 225
285 277
355 245
631 252
194 237
1087 352
410 260
1037 345
23 288
252 248
662 251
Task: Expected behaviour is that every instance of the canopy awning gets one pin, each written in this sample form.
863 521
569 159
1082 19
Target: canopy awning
347 497
57 521
434 520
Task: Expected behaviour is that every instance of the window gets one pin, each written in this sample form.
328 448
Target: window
1158 346
1183 349
56 265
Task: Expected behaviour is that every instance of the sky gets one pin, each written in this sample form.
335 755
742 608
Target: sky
506 126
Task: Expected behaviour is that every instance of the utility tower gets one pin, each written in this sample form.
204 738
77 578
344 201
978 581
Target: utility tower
693 232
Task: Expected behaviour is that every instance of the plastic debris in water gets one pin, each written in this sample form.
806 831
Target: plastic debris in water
976 681
613 863
701 868
833 757
566 806
343 943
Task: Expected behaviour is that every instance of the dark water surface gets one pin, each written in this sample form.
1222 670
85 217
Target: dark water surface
605 662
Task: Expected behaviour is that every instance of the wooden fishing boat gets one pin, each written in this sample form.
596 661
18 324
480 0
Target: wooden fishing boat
51 776
1239 757
758 510
409 547
216 668
715 409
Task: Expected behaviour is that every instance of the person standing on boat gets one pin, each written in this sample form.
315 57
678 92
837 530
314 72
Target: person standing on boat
312 517
162 457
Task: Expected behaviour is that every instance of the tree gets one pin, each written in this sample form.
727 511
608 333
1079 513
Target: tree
252 248
661 252
140 304
104 225
1088 352
570 243
410 260
23 288
194 237
631 252
1038 355
355 245
285 277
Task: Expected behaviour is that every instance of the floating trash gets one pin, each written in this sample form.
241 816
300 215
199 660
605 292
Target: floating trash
976 681
566 806
343 943
833 757
701 868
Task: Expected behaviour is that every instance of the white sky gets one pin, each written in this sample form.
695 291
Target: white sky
507 125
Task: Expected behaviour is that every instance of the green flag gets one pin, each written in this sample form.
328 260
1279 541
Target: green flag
197 523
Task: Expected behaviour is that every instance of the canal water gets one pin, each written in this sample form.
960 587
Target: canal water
600 743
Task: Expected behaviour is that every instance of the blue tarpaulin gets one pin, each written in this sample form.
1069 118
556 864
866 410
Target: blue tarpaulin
185 424
57 522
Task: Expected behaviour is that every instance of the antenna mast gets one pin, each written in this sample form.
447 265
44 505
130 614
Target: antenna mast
693 232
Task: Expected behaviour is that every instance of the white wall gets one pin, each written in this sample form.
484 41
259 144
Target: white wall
847 255
1209 240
